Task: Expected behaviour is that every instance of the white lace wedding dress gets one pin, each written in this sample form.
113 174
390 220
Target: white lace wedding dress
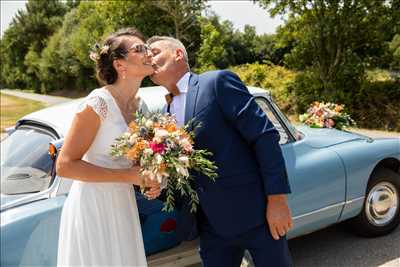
100 222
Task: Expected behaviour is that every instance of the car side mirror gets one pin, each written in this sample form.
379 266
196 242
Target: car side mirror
54 149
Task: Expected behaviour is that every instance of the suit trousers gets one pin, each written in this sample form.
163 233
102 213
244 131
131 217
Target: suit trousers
218 251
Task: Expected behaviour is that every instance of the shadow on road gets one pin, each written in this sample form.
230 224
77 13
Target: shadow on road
335 246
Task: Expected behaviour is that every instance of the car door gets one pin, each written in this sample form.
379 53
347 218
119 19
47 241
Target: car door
29 216
316 176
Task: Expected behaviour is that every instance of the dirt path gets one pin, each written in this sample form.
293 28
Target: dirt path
48 100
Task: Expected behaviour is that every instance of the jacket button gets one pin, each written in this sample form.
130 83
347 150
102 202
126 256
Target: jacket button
201 189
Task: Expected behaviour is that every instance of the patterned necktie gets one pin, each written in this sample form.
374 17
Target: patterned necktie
168 98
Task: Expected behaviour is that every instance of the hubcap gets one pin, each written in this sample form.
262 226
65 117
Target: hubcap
382 204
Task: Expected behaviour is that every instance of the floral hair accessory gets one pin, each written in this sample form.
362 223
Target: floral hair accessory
94 56
98 51
105 49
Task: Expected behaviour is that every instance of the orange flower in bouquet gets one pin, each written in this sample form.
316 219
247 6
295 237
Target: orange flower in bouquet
165 153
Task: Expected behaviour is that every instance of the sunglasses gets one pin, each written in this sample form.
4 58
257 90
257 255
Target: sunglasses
139 48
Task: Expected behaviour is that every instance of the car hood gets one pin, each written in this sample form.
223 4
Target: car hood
11 201
6 199
324 137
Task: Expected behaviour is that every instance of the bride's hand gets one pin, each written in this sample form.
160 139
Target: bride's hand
154 188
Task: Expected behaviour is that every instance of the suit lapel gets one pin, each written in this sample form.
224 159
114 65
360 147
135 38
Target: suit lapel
191 97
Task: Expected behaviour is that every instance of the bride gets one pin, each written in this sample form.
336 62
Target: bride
99 222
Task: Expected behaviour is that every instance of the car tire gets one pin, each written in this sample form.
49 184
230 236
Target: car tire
381 210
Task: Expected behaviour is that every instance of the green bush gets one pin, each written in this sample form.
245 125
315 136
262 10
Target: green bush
376 105
274 78
372 103
305 89
380 75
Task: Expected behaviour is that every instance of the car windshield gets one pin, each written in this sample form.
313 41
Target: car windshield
25 162
297 134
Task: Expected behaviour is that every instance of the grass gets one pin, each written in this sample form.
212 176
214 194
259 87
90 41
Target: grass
13 108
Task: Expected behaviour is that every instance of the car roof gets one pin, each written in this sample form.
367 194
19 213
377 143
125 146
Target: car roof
60 116
257 91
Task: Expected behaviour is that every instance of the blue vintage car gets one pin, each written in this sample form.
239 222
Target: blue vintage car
335 176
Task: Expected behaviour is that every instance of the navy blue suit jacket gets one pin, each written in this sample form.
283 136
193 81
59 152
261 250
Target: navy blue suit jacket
245 147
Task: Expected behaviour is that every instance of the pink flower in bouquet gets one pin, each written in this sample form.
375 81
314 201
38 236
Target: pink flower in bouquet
157 148
319 112
186 145
329 123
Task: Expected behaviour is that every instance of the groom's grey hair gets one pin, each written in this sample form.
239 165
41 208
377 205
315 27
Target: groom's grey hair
172 43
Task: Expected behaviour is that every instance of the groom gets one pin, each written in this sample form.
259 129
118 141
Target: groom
246 207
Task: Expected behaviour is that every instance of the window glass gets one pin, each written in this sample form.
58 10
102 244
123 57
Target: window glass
274 119
25 162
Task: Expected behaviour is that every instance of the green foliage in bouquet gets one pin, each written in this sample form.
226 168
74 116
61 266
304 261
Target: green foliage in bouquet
165 153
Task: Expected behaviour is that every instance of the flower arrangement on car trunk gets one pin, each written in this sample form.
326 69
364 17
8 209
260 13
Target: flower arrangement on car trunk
165 153
326 115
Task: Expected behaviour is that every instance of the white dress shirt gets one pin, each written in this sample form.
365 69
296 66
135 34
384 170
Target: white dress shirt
178 103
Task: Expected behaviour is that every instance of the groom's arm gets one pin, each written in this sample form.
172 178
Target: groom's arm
240 108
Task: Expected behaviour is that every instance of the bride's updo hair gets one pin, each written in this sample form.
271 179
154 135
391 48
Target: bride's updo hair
114 47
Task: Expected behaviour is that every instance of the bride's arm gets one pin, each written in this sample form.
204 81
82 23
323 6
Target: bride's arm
78 140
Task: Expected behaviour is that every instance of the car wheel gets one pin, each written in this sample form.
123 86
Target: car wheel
381 211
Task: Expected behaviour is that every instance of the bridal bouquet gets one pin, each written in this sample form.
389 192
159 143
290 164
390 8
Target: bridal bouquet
326 115
165 153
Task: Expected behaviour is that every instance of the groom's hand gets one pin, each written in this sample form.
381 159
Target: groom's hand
278 215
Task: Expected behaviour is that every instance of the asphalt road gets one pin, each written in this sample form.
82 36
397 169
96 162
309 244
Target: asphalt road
335 246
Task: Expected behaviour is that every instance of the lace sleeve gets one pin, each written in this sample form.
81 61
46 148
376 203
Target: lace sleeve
98 104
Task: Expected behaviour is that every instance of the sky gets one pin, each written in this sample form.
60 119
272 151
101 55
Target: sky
240 12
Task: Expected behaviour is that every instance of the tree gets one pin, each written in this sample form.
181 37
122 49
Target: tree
72 3
394 47
65 64
220 45
266 49
24 40
212 50
223 46
179 19
241 46
62 65
185 15
334 37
